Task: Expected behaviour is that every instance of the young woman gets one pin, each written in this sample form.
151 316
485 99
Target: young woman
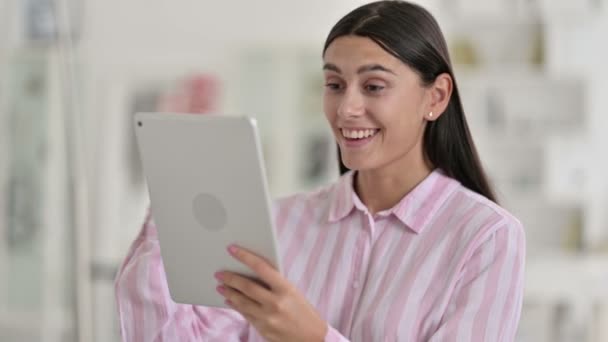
408 246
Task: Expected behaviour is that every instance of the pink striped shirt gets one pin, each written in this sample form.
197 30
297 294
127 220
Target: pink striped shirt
444 264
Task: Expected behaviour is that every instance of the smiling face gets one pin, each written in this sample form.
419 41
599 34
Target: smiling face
376 105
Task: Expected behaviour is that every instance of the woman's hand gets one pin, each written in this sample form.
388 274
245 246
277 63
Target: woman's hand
279 312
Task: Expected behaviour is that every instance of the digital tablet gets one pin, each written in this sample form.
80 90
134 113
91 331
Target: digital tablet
208 189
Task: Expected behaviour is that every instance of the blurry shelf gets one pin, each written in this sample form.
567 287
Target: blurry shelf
505 12
486 74
566 277
20 321
38 326
491 10
573 11
528 106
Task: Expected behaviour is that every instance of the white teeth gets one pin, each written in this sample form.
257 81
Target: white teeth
354 134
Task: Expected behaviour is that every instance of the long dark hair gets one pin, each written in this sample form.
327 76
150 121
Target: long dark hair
410 33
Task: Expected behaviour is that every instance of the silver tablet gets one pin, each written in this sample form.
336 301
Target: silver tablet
208 189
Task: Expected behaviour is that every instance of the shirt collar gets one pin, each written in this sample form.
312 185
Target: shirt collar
342 202
414 210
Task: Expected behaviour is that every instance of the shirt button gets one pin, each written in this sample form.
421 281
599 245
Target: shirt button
356 284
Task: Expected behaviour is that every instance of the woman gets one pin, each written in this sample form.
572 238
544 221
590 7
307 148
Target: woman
408 246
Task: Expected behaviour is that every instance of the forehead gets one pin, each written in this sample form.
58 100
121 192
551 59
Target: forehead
358 50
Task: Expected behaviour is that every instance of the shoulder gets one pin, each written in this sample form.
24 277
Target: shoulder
495 211
489 221
309 208
318 199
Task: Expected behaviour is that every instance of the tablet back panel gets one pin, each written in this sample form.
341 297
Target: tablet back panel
208 189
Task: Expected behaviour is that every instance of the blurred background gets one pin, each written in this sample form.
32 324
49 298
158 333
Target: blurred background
532 73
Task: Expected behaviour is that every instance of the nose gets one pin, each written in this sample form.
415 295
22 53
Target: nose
351 104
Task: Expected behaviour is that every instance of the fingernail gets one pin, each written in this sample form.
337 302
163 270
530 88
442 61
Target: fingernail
232 249
219 276
221 290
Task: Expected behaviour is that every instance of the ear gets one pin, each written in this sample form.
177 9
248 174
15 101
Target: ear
439 94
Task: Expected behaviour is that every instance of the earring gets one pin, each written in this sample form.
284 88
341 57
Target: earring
430 114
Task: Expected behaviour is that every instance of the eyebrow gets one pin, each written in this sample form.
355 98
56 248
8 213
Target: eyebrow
362 69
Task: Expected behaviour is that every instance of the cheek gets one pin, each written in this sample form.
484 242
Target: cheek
402 122
330 108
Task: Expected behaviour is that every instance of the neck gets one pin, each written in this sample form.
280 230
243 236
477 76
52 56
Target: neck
381 189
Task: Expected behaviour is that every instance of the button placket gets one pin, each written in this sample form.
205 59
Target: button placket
357 279
357 265
360 251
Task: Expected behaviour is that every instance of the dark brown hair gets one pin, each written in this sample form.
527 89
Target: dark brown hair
410 33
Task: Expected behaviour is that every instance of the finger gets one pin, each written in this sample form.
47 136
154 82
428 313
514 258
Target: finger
241 303
262 268
248 287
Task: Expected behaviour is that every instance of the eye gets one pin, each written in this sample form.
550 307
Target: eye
333 86
374 88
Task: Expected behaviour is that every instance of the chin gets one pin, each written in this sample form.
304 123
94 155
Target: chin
357 165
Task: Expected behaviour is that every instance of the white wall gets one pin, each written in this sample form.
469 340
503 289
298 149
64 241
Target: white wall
578 47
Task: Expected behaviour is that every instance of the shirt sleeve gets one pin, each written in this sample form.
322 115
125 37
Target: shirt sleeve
146 310
487 300
334 336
